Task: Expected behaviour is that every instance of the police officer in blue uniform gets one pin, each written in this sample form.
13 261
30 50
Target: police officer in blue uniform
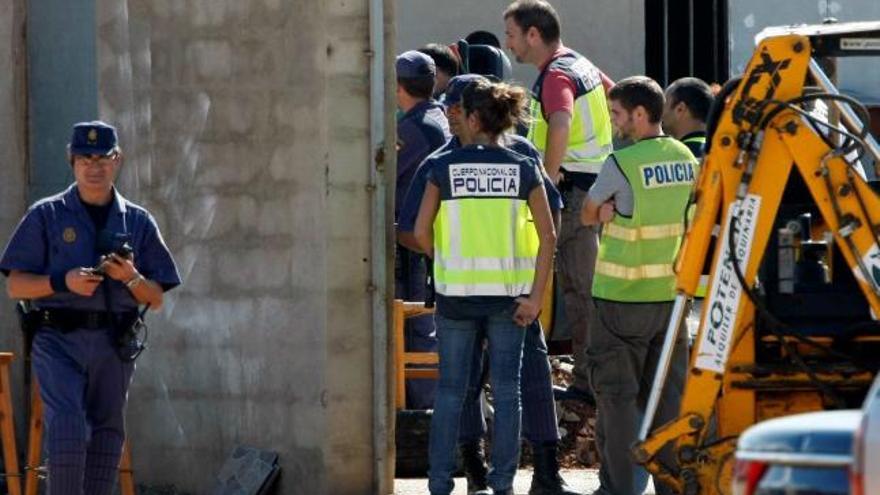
87 259
421 130
539 409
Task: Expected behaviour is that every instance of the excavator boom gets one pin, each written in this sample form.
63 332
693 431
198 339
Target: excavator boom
792 229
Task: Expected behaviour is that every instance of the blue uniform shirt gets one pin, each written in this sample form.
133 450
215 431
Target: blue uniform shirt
410 208
57 235
420 131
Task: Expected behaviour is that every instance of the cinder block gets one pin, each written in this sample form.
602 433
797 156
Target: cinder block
210 60
274 217
209 13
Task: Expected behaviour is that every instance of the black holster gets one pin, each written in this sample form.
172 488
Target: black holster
29 321
430 291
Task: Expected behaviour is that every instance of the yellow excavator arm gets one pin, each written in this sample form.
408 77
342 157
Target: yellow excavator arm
789 320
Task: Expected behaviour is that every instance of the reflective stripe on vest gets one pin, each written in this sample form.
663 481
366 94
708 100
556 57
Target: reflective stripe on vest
642 233
634 272
634 263
484 247
462 263
695 139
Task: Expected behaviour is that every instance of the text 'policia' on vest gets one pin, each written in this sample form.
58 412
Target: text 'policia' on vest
589 139
666 174
487 180
636 253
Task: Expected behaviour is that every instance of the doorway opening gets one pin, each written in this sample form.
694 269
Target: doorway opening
686 38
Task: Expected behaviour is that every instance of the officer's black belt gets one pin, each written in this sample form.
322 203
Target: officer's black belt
68 320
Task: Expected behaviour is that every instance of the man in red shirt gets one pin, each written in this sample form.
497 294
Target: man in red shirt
572 128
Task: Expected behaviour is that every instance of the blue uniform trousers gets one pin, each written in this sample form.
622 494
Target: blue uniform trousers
538 407
84 386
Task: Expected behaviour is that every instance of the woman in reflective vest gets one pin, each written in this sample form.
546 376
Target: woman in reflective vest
485 220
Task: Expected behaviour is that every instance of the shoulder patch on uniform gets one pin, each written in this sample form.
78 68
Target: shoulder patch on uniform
69 235
484 179
666 174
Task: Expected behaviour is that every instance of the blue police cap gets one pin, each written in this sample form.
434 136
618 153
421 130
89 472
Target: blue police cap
414 65
93 138
456 87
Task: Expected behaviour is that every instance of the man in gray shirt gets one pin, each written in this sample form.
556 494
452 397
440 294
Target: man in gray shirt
640 197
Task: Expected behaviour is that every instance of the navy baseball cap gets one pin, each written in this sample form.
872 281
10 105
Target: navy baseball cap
414 65
457 86
93 138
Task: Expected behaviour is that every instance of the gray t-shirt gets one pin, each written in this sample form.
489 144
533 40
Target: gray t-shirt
611 183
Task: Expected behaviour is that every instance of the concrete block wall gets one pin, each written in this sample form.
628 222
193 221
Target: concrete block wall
246 132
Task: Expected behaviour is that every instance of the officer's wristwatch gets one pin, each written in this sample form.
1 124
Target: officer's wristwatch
135 281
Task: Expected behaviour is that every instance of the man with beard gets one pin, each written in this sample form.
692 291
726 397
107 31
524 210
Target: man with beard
639 197
571 127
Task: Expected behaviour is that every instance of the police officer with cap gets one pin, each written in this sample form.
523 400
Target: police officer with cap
87 259
421 130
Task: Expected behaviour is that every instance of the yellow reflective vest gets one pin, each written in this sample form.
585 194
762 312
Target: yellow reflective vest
636 253
589 139
485 242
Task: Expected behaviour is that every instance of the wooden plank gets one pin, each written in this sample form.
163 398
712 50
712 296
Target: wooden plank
7 428
400 396
421 358
423 373
35 441
126 473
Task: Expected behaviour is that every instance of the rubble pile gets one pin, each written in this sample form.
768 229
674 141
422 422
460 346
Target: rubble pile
577 421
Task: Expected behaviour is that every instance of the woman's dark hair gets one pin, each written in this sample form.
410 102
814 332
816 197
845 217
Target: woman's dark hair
498 106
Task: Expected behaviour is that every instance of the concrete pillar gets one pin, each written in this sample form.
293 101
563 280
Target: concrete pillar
13 157
61 86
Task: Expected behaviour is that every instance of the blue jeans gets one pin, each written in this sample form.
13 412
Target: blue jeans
458 340
538 404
